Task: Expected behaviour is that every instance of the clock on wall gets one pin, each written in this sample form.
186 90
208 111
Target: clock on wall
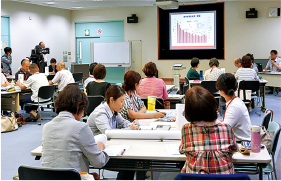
274 12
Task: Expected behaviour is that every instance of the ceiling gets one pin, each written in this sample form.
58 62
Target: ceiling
99 4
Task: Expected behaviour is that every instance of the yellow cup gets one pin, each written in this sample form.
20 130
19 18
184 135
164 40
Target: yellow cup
151 101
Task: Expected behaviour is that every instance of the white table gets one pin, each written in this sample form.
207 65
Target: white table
152 155
273 78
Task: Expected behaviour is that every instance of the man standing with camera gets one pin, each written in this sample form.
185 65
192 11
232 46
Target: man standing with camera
45 56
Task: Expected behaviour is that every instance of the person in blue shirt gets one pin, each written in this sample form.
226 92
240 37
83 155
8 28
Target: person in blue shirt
192 73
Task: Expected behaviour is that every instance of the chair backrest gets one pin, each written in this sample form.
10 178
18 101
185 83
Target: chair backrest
94 101
266 119
77 76
74 83
210 86
274 126
158 105
46 92
191 176
185 88
41 173
186 81
51 76
253 85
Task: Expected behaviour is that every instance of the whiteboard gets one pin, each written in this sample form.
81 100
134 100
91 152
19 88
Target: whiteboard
111 54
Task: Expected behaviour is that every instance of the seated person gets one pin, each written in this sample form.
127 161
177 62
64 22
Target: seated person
53 67
62 77
99 86
106 116
274 63
236 113
4 81
246 73
237 63
6 60
35 81
134 107
24 70
214 72
192 74
91 78
254 65
150 85
67 142
207 143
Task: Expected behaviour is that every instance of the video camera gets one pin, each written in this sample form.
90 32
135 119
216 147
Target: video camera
37 56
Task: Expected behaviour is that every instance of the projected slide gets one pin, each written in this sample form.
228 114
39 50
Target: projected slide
194 30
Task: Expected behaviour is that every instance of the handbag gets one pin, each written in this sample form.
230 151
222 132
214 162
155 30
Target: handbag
266 138
8 123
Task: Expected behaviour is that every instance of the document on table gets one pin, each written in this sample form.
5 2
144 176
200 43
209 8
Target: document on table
116 150
172 149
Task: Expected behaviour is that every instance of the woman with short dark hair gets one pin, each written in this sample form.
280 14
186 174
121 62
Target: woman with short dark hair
214 72
106 116
236 113
215 156
99 86
134 107
67 142
150 85
246 72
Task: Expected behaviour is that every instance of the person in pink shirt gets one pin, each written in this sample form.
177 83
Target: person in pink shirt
150 85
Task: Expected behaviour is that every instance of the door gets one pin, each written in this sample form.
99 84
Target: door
5 32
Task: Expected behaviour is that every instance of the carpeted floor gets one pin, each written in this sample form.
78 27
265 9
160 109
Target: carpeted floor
16 145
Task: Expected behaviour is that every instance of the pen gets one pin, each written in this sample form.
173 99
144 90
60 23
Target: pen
157 111
137 124
123 152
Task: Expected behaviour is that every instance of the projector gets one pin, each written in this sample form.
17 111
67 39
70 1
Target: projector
170 4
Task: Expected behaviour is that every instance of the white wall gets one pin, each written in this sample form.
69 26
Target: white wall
257 36
51 25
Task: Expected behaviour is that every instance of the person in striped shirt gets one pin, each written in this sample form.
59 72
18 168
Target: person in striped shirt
246 72
214 72
207 143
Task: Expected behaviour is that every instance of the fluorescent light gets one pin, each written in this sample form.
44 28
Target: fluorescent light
50 3
77 7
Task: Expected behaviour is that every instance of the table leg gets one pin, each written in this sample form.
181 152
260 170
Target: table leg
260 172
140 175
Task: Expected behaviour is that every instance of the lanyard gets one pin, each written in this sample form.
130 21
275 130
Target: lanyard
212 69
91 76
228 105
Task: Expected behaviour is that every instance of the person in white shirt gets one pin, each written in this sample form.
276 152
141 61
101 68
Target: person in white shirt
214 72
62 77
4 81
246 72
91 78
236 113
35 81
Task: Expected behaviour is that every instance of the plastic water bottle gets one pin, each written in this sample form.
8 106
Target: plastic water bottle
12 83
201 75
255 139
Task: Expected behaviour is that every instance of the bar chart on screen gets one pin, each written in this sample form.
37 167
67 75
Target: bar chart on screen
195 30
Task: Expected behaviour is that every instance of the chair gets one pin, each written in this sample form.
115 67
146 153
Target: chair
77 76
191 176
211 87
51 76
44 173
273 126
45 92
74 83
94 101
267 118
158 105
252 168
254 86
